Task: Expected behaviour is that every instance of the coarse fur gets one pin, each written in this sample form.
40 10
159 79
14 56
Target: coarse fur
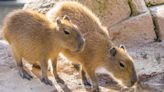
99 51
36 39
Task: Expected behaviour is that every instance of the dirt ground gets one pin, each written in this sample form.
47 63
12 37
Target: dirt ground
10 81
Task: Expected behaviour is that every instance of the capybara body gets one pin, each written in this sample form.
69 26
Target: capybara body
36 39
99 51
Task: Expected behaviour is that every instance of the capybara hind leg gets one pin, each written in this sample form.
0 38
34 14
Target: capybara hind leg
44 69
91 74
54 65
23 73
84 78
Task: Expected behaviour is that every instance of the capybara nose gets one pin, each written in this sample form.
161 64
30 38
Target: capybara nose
134 79
81 44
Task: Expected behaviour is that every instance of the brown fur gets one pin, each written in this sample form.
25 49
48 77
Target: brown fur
36 39
99 50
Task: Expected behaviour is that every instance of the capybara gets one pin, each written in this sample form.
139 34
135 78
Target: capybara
99 51
36 39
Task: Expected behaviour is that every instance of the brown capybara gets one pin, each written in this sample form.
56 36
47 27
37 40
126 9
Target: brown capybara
99 52
36 39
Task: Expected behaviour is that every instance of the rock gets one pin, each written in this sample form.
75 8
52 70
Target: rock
110 12
158 17
137 7
154 57
5 54
134 31
41 6
154 2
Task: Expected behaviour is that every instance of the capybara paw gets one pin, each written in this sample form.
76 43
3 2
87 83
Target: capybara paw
47 81
59 80
25 75
86 83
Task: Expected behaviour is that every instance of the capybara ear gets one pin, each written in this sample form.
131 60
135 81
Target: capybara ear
67 18
58 21
113 51
123 47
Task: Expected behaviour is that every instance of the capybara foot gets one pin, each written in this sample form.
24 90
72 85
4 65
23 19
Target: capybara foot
47 81
59 80
25 75
86 83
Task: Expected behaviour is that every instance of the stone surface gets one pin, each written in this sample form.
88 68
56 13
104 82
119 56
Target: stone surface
110 12
41 6
148 58
134 31
158 17
154 2
137 6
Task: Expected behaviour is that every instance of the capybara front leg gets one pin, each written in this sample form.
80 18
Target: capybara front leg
54 65
22 72
91 74
44 69
84 78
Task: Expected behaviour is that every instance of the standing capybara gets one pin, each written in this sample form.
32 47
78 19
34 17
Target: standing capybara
99 52
36 39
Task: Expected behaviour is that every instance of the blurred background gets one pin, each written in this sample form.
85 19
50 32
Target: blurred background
9 5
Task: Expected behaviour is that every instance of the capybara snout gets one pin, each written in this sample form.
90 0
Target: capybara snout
81 43
134 78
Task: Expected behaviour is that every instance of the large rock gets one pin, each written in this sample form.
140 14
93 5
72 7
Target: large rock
148 58
110 12
41 6
154 2
158 17
137 7
134 31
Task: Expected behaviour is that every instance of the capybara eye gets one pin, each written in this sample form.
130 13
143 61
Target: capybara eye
122 65
66 32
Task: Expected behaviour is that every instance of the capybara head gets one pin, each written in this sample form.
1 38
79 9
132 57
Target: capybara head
121 66
69 34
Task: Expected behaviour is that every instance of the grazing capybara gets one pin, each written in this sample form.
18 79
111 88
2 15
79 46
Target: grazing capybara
36 39
99 52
